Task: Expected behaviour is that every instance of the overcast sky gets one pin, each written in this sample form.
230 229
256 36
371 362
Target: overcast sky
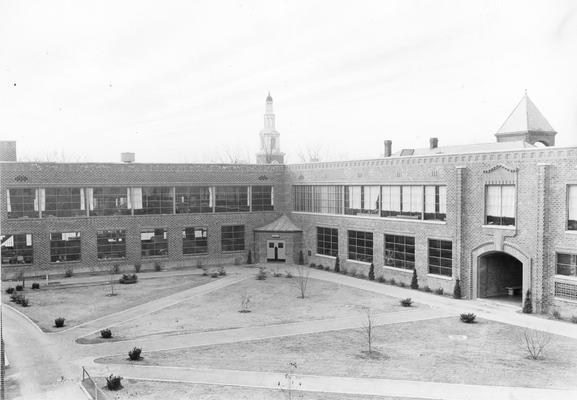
186 81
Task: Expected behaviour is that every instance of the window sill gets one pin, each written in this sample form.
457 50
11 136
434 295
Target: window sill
443 277
505 227
571 232
325 256
65 262
358 262
233 251
195 254
111 259
568 278
408 271
565 300
378 218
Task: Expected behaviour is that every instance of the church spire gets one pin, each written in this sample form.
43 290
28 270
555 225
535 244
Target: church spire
269 138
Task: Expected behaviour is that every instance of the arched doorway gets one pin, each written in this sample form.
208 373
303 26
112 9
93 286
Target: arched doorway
500 275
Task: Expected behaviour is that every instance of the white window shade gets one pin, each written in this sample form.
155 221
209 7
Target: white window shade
572 202
8 205
406 205
508 201
137 198
395 198
371 194
417 199
90 198
493 201
82 199
442 199
272 195
429 199
354 197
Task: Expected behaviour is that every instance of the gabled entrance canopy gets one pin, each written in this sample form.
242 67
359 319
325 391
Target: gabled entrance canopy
282 224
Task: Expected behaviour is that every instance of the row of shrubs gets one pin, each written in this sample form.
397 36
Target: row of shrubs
262 274
214 273
19 288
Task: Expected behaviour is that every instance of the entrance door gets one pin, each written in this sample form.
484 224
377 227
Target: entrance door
500 275
275 250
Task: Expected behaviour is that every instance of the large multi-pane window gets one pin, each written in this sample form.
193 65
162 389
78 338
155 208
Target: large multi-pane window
500 205
436 203
391 201
328 199
360 246
232 199
22 203
16 249
194 241
328 241
63 202
400 251
412 202
566 264
232 237
153 242
111 244
262 198
108 201
360 200
572 207
303 198
65 246
152 200
195 199
441 257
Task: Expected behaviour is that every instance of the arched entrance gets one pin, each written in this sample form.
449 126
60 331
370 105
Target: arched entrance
500 275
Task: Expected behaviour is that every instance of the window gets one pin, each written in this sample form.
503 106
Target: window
441 257
412 202
328 199
193 199
111 244
361 246
391 201
500 205
108 201
232 199
65 246
303 198
436 203
328 241
262 198
361 200
153 242
566 290
22 203
194 241
572 207
152 200
16 249
566 264
232 238
64 202
400 251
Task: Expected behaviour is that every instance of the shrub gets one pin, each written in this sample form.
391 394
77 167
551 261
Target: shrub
204 271
557 315
535 342
137 267
116 268
214 274
393 282
134 354
59 322
19 288
261 275
276 273
439 291
10 290
362 275
127 279
69 273
245 304
15 297
157 266
402 284
35 286
114 382
406 302
337 264
237 261
457 290
468 318
249 257
320 266
327 268
372 272
301 258
427 289
221 271
105 333
414 280
381 279
24 302
288 274
528 304
312 265
574 319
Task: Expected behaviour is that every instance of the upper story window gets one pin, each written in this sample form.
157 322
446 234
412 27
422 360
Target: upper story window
108 201
361 200
572 207
152 200
303 198
436 203
262 198
62 202
566 264
16 249
328 199
412 202
197 199
232 199
22 203
500 205
391 201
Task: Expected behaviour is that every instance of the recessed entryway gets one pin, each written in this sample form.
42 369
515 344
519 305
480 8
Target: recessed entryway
500 275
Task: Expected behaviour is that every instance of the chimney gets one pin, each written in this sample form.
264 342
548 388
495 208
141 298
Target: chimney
8 150
127 157
433 143
388 148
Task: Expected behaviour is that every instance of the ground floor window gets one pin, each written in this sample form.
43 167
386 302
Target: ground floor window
16 249
361 246
566 290
566 264
400 251
153 242
111 244
232 238
328 241
194 241
441 257
64 246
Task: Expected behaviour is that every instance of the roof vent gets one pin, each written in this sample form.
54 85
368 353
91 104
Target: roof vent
127 157
407 152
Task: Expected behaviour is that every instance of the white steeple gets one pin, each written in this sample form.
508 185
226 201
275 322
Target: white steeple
269 138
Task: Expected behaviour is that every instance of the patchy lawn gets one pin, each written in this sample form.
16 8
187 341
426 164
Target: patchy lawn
442 350
78 303
272 301
148 390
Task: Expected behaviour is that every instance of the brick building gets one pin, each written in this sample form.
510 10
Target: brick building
501 217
